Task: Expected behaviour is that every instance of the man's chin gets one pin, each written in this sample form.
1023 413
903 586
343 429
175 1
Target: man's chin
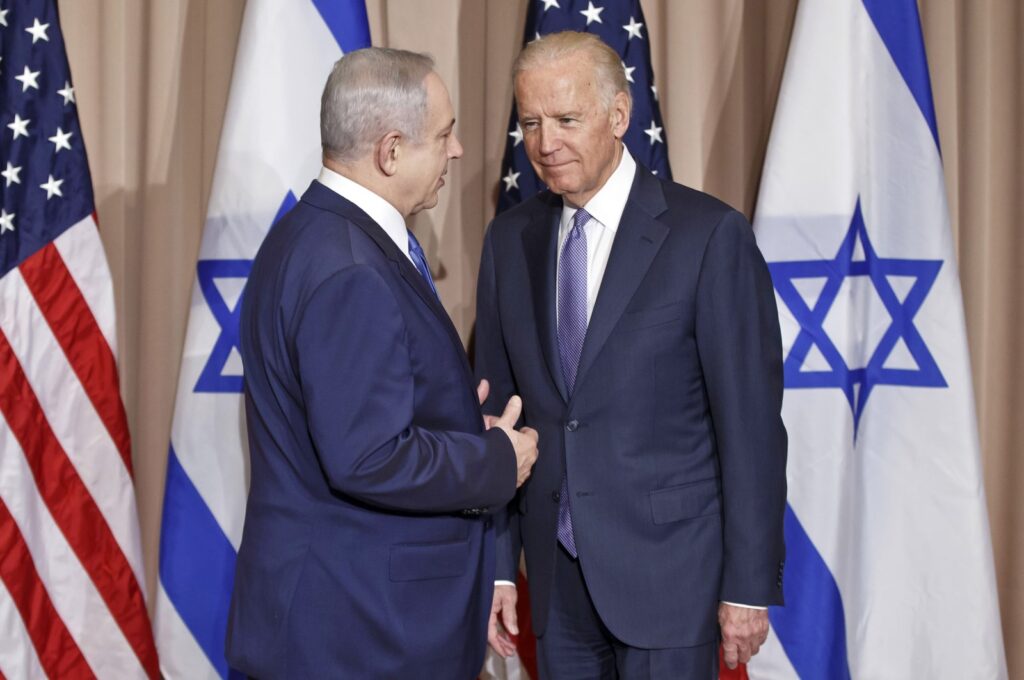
559 183
426 205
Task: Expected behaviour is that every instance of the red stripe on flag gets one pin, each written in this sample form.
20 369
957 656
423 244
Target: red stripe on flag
57 651
80 337
74 510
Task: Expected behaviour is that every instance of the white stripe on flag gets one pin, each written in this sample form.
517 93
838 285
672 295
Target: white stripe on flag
187 662
71 591
18 658
71 416
82 251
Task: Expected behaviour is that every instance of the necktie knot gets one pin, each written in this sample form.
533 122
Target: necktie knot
579 220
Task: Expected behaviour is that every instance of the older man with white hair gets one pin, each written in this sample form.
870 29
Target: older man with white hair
636 319
367 550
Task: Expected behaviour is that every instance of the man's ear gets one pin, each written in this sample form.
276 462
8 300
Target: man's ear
620 114
388 150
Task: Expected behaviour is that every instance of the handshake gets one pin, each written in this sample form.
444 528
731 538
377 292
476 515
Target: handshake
524 440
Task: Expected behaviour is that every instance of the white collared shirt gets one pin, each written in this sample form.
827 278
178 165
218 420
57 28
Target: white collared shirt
379 210
605 208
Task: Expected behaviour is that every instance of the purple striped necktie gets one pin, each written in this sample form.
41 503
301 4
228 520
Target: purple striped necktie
572 329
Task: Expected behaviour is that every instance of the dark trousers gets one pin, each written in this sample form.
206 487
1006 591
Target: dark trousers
578 646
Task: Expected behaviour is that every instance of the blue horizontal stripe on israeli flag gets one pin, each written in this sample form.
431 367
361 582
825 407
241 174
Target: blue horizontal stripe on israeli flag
347 22
197 564
899 25
811 627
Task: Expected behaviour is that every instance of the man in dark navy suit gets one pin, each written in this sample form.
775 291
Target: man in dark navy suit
636 319
368 550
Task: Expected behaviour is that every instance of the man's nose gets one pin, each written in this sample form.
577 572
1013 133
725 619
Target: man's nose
454 146
550 140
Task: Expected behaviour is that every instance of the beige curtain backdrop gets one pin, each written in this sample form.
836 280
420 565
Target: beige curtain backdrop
152 79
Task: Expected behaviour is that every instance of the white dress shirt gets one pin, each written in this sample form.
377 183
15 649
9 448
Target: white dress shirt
379 210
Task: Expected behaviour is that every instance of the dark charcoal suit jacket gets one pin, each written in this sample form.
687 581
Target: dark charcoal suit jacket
672 438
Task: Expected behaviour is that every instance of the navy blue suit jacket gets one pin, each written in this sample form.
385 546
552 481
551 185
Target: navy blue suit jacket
672 438
359 558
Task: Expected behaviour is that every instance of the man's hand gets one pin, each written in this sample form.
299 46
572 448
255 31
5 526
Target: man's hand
504 606
744 630
524 441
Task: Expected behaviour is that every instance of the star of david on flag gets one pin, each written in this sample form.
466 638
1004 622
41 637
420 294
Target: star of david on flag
216 375
857 258
269 152
888 569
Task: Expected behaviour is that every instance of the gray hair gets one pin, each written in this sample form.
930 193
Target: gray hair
369 93
611 76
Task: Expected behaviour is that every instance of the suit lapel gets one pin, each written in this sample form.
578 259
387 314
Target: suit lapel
540 245
324 198
637 241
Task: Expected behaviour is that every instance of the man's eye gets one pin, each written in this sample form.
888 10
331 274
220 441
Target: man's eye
529 125
567 121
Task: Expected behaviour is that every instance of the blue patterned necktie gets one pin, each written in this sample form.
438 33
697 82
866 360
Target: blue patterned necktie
418 259
572 329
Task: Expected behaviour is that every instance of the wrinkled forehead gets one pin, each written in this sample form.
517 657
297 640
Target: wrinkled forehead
567 83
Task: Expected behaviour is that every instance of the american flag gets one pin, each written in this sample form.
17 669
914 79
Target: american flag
71 599
620 23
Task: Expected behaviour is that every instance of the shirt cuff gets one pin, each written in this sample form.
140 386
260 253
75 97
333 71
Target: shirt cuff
745 606
505 583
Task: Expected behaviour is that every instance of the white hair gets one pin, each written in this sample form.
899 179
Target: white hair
554 47
369 93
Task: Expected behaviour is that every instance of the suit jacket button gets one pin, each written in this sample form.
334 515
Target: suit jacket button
572 425
555 496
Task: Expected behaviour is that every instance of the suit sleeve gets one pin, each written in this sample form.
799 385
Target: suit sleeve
492 363
358 387
740 350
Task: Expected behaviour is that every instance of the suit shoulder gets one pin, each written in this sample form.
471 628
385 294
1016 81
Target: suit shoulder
697 203
308 239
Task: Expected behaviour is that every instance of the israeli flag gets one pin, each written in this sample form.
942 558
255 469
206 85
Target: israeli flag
889 568
269 151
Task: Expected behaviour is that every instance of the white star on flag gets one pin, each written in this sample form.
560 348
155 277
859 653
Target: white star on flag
20 126
6 219
12 174
629 71
28 79
654 132
633 28
511 180
3 16
592 13
548 4
517 135
68 93
60 140
38 31
52 187
654 91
